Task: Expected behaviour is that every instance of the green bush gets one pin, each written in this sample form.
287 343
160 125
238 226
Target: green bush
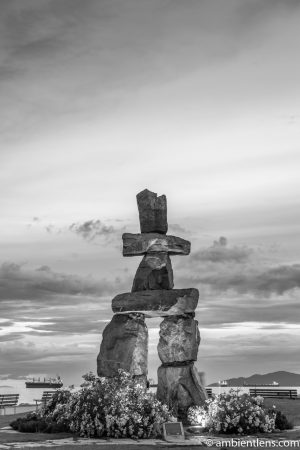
233 413
281 421
29 424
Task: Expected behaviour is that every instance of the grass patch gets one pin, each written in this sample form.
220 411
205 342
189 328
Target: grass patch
25 437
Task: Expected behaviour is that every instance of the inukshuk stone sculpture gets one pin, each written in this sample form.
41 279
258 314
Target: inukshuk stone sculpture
125 339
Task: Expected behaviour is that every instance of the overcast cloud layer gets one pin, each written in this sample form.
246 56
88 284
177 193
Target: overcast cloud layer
197 100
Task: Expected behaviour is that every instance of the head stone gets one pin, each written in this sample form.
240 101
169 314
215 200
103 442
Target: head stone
152 212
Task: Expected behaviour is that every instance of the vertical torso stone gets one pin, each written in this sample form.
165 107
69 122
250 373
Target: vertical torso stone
124 346
154 272
152 212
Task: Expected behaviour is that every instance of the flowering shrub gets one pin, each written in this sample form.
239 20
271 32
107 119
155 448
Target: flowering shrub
112 407
233 413
55 410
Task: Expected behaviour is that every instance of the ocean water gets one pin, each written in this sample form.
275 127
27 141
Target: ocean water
30 395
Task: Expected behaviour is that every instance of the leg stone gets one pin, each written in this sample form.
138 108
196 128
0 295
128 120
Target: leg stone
179 340
180 387
124 346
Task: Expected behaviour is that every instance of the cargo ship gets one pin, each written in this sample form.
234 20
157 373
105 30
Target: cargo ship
52 383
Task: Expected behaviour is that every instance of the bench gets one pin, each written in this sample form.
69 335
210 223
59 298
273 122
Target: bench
274 393
209 392
47 395
8 400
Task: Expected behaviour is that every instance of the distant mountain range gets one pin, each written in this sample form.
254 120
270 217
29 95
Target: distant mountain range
281 377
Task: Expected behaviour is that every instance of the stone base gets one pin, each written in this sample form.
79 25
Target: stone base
124 346
180 387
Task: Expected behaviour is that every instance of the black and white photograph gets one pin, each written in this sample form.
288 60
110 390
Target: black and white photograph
150 209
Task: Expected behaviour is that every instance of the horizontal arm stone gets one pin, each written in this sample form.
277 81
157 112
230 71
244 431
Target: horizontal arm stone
157 302
140 244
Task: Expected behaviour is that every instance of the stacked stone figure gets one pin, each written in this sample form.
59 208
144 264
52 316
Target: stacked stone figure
125 338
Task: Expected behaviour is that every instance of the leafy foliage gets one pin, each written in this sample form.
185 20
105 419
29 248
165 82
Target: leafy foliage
281 421
33 423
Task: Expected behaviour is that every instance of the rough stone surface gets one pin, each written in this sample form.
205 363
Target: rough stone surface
124 346
140 244
154 303
179 339
154 272
180 386
125 340
152 212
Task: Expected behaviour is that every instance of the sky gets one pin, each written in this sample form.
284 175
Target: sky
198 100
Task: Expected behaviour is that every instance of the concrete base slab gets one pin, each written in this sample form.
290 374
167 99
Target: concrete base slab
191 441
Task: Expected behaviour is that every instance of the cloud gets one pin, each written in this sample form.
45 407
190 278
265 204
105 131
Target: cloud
220 252
62 58
11 337
176 228
21 357
43 268
20 283
254 10
228 308
84 320
52 229
87 318
260 281
246 351
238 269
41 301
278 279
238 284
91 229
